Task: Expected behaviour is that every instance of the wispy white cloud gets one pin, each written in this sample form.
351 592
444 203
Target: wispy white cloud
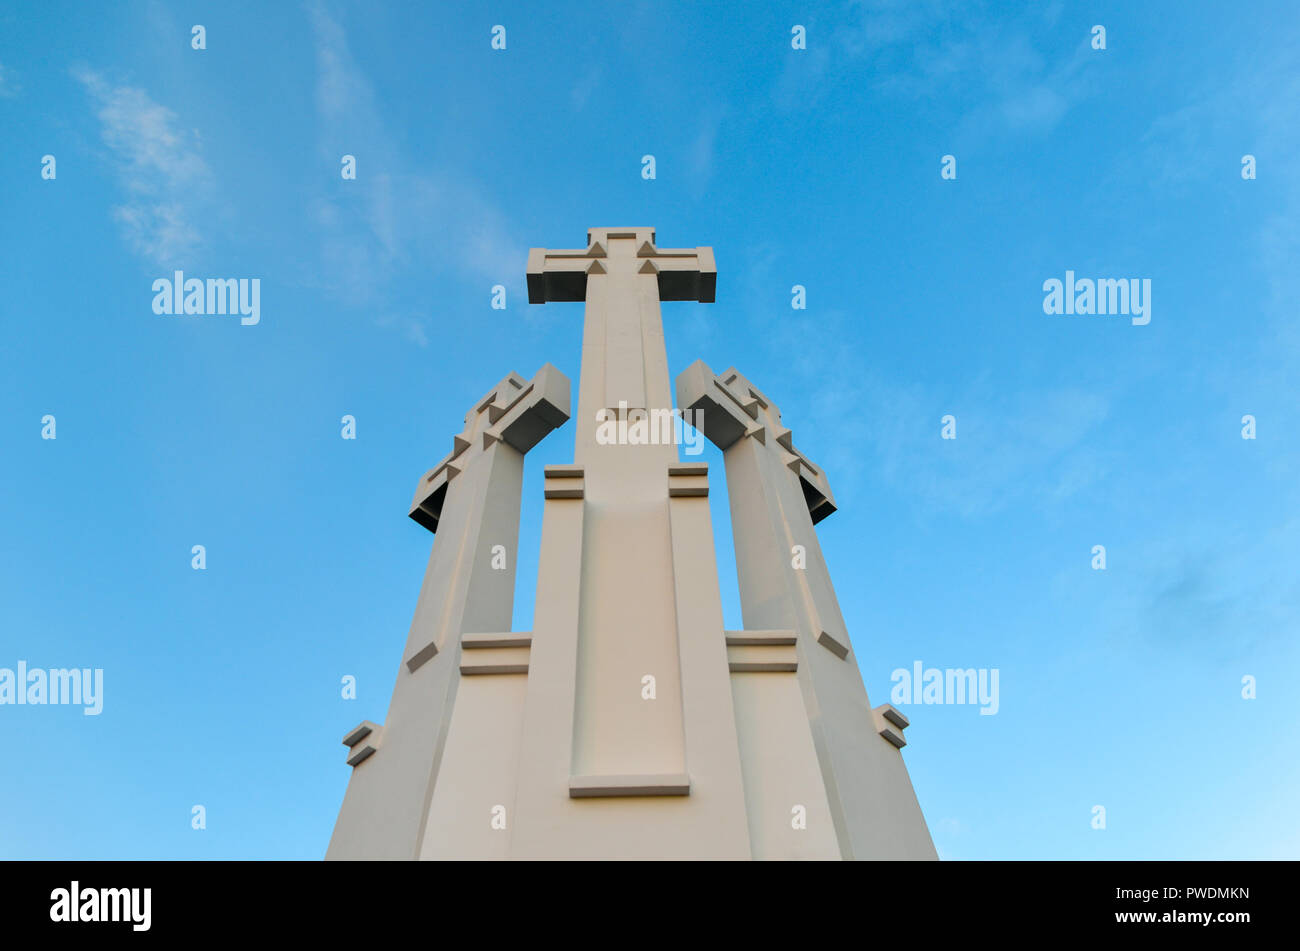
409 325
344 97
160 166
701 155
1204 587
583 89
399 215
1201 587
1182 149
1012 447
926 49
8 87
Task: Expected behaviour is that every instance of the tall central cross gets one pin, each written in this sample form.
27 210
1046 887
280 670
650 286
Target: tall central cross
622 277
632 621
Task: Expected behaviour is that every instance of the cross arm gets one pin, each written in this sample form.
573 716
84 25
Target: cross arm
518 412
558 275
730 409
684 274
561 275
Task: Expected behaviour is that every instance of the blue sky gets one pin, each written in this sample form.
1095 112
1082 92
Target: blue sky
818 167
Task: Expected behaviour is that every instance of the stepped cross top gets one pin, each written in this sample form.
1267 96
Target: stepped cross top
733 408
622 277
516 411
681 273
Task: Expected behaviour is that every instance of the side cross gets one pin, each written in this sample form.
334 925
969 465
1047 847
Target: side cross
733 408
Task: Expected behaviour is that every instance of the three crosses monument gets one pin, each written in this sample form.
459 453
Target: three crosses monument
628 723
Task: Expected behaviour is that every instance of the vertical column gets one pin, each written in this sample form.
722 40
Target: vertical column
384 809
773 491
623 355
628 661
543 826
713 752
471 500
627 625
